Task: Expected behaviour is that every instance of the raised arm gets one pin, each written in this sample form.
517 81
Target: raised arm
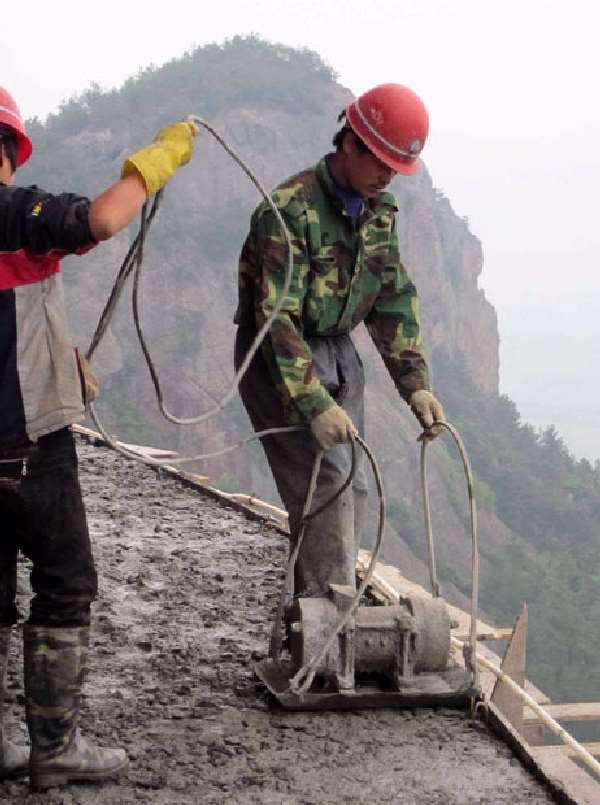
67 223
144 173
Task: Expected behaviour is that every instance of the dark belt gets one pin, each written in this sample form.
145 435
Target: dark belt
14 464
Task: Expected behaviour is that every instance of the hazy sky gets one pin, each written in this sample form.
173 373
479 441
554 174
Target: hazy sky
511 87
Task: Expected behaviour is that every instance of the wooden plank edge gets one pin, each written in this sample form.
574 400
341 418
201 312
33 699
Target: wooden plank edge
189 480
572 711
513 665
593 748
578 780
538 766
497 635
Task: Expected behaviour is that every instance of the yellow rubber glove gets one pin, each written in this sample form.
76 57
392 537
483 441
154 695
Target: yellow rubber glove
332 427
157 163
427 410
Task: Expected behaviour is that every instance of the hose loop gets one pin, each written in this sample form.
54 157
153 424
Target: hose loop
470 648
134 262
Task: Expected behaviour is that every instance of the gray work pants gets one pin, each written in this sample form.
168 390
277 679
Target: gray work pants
331 540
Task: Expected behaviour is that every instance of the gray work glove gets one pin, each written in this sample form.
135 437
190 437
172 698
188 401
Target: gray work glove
332 427
427 410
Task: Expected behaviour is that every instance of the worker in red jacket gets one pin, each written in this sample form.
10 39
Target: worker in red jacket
41 395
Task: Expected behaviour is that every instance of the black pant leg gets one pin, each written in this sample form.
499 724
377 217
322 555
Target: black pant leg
52 532
9 505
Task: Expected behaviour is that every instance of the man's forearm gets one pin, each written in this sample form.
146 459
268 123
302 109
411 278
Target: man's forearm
112 210
407 367
144 173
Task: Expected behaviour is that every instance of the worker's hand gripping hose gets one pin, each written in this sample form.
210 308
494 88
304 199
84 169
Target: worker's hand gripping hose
332 426
469 649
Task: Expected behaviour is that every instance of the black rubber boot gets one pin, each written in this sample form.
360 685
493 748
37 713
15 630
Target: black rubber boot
55 660
14 760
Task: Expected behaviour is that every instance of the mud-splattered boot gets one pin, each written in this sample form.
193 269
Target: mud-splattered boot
55 660
14 760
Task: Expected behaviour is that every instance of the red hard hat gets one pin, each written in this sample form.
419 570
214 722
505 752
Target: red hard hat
10 117
393 123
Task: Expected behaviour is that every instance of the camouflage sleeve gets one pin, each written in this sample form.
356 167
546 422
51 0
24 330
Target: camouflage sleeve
287 353
394 326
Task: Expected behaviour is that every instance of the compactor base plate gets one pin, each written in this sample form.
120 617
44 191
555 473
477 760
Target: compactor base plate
450 688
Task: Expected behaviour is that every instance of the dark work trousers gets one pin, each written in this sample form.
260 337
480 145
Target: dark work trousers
42 515
331 540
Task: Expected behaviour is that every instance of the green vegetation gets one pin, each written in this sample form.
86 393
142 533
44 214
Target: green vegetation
552 502
243 72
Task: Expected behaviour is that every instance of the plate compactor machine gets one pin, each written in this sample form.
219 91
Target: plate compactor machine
348 650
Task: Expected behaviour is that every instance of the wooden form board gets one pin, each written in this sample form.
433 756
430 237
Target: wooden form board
257 503
495 636
569 783
148 452
562 749
558 766
513 664
145 452
580 711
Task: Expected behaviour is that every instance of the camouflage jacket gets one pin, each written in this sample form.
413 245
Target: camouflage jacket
342 275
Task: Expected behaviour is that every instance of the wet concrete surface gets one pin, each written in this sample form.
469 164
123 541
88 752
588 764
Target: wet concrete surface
187 592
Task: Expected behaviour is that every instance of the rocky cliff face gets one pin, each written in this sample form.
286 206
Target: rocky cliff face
446 260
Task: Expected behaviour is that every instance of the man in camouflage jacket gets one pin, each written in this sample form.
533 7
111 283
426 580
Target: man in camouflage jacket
346 270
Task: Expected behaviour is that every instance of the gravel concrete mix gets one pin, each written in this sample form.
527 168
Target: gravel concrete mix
188 588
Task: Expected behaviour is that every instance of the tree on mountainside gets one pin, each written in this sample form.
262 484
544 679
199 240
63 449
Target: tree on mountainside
552 501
